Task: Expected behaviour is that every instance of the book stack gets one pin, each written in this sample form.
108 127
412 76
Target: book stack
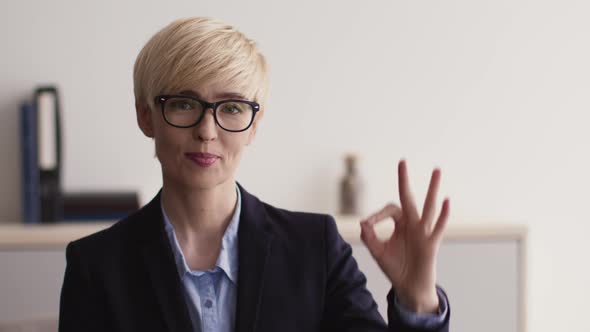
43 200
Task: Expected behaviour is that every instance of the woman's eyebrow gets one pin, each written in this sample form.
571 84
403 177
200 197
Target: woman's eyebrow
231 95
224 95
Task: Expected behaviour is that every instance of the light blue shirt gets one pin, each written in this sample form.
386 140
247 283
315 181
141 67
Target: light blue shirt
211 295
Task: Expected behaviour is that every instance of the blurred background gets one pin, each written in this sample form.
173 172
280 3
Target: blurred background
496 93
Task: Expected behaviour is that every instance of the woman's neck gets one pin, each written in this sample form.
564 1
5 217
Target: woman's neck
206 212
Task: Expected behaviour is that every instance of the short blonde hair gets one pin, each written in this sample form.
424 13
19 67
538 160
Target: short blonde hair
195 51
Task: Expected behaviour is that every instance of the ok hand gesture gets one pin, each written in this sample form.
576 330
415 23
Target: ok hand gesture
408 257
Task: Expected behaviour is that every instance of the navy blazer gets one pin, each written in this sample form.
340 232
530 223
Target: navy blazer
296 273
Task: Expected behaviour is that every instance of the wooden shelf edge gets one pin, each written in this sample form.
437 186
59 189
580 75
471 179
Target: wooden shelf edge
46 236
19 236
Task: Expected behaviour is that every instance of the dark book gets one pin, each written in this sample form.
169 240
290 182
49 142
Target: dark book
87 206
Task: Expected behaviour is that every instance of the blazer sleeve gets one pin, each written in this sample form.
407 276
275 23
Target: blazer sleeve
79 307
349 306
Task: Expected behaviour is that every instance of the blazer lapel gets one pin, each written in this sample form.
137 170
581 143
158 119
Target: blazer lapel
161 267
254 243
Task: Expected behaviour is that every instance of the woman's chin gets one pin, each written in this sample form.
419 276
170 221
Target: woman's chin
205 183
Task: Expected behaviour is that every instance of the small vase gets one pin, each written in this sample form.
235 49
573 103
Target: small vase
351 187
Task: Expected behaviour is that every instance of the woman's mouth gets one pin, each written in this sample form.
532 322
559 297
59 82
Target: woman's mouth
202 159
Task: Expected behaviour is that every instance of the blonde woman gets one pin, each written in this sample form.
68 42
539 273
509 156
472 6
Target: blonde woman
206 255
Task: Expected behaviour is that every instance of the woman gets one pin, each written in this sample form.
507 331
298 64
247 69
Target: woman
206 255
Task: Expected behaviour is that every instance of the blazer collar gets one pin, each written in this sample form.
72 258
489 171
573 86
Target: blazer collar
254 246
159 259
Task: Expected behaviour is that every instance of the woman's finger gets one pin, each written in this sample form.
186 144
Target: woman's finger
405 195
429 209
388 211
443 218
369 237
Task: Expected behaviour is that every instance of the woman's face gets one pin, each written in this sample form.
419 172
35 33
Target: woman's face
200 157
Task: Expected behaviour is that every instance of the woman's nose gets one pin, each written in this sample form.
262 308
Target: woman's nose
206 129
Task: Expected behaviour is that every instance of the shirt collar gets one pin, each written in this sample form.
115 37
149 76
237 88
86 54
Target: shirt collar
228 256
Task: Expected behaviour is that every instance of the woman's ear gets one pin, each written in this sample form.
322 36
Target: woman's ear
144 119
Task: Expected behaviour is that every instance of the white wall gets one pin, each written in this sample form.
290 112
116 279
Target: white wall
495 92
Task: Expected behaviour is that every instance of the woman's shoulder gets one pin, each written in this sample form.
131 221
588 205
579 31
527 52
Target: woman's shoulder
304 223
122 233
298 218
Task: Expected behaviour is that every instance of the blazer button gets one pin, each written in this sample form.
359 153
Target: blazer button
208 304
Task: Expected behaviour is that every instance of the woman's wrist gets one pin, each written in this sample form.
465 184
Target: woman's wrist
419 301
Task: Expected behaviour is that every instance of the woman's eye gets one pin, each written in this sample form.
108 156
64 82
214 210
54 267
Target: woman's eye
231 109
186 106
182 105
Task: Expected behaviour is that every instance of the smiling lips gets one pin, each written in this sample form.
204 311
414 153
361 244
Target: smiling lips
202 159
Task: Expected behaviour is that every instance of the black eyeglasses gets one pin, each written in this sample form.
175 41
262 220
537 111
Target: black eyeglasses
187 111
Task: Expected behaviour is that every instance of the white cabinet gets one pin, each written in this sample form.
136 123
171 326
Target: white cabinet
32 265
30 283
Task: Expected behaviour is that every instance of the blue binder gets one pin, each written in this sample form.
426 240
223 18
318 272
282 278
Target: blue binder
31 199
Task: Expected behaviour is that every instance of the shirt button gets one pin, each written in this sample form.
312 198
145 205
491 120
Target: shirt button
208 304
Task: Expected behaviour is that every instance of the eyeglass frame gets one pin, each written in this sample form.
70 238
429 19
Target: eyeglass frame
161 99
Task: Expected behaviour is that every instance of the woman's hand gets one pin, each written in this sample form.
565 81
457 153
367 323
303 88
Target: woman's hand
408 257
